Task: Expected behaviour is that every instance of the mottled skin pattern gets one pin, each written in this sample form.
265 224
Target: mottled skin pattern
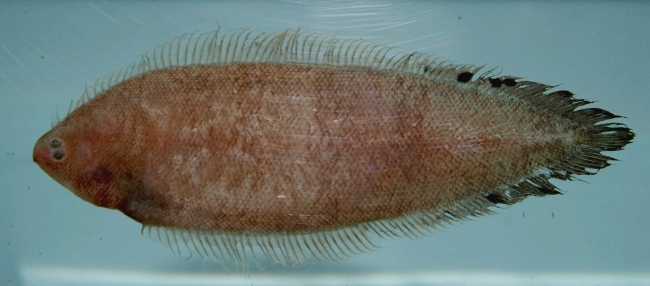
274 148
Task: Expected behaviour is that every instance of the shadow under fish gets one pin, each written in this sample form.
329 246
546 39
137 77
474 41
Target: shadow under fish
308 146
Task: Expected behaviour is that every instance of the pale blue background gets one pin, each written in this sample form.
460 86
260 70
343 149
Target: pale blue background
598 50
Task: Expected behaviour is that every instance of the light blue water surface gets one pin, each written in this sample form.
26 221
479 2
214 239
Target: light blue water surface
597 233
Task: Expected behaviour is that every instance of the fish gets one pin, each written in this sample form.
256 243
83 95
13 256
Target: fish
302 147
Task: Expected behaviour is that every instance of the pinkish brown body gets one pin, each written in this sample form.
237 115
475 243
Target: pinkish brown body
296 148
270 148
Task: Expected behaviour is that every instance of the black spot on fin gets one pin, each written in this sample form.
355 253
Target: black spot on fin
495 199
495 82
465 77
509 82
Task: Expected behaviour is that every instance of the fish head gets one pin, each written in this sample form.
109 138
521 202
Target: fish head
75 155
55 154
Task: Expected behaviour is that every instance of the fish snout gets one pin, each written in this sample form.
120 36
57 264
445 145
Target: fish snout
48 150
41 153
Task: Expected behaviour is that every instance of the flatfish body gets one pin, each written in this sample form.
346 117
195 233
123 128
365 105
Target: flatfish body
304 145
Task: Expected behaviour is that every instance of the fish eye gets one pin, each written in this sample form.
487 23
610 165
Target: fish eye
58 155
56 143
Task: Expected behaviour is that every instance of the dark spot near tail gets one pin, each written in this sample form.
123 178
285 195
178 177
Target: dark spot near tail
564 93
465 77
495 199
426 69
495 82
509 82
548 191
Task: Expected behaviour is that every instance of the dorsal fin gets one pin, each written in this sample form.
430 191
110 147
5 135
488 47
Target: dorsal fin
288 47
